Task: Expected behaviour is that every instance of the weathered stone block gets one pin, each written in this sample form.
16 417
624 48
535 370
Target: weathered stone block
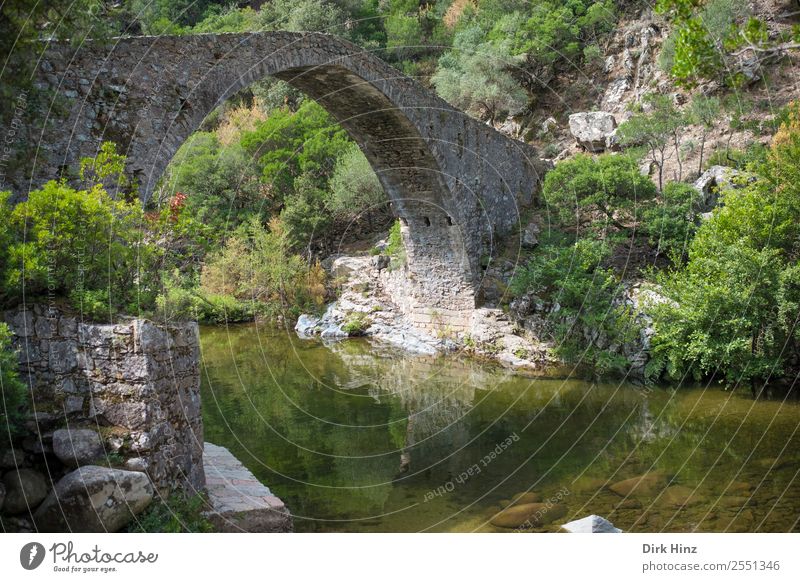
77 447
95 499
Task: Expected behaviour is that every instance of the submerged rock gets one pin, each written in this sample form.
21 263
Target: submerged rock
529 515
591 524
524 498
648 484
681 496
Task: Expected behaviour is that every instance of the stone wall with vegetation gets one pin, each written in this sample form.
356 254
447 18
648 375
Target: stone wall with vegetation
124 397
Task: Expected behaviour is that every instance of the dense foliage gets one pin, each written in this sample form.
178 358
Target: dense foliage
732 312
13 392
717 40
585 188
586 316
81 243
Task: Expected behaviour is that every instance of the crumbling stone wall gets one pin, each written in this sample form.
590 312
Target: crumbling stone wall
458 184
135 382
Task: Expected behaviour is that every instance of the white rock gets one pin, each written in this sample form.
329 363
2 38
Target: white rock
591 524
306 324
592 129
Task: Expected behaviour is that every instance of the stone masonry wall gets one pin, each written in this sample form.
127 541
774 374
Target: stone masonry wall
135 382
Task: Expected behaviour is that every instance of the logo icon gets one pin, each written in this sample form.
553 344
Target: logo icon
31 555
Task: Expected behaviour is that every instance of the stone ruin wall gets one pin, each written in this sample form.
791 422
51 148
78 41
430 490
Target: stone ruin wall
134 382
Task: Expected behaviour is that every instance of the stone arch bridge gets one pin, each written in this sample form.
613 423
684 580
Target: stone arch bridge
457 185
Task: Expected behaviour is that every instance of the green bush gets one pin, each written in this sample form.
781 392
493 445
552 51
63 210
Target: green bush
63 241
256 267
177 514
356 323
605 188
14 402
671 224
587 321
733 309
395 247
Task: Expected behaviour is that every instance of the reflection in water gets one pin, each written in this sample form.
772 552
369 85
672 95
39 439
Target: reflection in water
358 438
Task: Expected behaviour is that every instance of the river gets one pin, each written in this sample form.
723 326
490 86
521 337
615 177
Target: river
358 437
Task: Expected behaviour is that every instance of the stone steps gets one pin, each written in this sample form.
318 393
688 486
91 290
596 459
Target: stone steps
240 502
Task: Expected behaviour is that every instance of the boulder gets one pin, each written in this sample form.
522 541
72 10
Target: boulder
714 180
77 447
380 262
529 515
530 236
549 125
524 498
11 459
345 266
591 524
25 488
94 499
681 496
648 484
306 324
592 130
334 331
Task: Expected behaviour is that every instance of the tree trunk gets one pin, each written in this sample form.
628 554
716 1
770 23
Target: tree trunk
702 149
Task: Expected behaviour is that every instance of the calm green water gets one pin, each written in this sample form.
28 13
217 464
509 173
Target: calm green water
358 438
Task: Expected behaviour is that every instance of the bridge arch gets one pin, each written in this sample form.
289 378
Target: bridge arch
456 183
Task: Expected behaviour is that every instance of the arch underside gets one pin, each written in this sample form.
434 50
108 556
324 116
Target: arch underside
431 226
442 281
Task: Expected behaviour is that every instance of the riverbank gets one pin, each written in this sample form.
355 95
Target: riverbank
369 295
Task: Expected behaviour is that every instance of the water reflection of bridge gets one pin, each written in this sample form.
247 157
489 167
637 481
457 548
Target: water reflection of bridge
437 395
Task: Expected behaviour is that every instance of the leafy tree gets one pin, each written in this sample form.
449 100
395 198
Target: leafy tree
307 217
672 222
13 392
705 112
702 44
303 15
354 187
289 145
222 183
170 16
413 29
474 77
733 310
655 130
580 188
